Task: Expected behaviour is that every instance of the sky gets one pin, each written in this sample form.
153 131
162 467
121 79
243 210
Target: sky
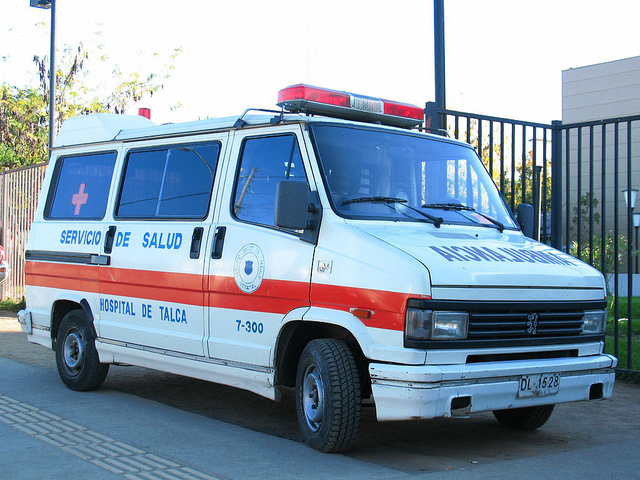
503 57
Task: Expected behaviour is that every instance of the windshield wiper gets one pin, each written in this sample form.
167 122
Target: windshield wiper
437 221
445 206
458 207
373 200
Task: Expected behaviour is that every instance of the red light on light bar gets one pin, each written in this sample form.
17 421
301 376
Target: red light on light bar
403 110
348 106
313 94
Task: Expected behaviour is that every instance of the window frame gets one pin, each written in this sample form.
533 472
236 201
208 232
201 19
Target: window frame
166 147
237 174
55 183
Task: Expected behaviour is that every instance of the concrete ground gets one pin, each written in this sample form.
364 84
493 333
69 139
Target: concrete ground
147 424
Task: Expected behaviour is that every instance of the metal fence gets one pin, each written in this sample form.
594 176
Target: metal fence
582 180
597 175
19 190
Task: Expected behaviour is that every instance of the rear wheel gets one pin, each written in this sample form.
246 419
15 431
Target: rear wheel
76 355
328 397
528 418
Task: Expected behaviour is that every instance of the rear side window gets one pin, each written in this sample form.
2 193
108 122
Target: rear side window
264 163
169 182
80 187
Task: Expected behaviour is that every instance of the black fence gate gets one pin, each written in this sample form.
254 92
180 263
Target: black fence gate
582 180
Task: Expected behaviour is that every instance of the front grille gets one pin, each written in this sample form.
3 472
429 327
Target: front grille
495 324
499 325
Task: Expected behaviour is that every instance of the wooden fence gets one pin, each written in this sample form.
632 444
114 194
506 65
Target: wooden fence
19 191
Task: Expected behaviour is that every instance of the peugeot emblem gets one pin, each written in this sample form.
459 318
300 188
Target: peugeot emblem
532 323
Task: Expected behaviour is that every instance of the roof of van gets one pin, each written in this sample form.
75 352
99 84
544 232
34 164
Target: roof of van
107 127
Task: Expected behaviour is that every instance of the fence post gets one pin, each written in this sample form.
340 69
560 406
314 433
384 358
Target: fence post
3 219
439 53
433 121
556 184
4 201
537 200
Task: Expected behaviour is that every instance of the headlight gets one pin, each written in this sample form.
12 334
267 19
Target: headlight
436 325
594 322
450 325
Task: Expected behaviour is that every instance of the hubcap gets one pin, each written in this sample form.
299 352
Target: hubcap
313 398
73 351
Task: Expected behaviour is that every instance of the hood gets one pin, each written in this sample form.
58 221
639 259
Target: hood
491 262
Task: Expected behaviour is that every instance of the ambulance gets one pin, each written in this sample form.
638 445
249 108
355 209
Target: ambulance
329 247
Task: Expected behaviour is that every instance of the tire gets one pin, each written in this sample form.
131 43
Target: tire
529 418
77 359
328 396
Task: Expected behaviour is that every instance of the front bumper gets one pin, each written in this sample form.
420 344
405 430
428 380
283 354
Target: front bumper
403 392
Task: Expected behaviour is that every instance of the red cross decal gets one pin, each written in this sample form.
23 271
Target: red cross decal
79 199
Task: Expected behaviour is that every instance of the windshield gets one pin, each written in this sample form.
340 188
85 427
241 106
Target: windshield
375 174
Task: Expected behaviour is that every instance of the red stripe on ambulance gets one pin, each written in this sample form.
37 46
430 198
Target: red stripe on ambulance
273 296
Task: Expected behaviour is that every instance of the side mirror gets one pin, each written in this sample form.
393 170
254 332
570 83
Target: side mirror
298 209
525 219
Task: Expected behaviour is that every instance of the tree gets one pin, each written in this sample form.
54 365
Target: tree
23 127
589 246
24 120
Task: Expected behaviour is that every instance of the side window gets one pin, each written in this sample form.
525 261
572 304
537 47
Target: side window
265 162
169 182
80 187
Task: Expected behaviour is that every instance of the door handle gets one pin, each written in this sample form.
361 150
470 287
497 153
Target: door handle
218 243
108 240
196 242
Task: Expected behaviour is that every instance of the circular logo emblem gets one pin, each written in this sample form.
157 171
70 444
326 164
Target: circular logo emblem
248 268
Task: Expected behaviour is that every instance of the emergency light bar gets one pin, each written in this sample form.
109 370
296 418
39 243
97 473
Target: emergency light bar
349 106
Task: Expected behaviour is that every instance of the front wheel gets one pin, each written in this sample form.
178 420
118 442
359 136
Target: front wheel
76 355
528 418
328 397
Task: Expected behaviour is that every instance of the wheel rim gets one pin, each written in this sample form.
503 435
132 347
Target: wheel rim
73 351
313 398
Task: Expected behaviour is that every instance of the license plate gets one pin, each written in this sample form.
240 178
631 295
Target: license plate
539 385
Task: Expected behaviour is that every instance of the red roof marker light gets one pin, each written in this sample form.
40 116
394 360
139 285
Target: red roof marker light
349 106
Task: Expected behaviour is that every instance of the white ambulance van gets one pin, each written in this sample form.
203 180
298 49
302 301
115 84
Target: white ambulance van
327 247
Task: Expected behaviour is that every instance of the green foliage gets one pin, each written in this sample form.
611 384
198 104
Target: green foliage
588 205
622 310
77 95
23 127
622 353
24 120
610 258
10 304
623 331
601 255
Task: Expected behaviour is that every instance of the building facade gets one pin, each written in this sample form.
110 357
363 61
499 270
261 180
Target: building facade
594 94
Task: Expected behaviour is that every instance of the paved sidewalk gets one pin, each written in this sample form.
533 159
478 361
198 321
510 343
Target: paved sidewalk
51 432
